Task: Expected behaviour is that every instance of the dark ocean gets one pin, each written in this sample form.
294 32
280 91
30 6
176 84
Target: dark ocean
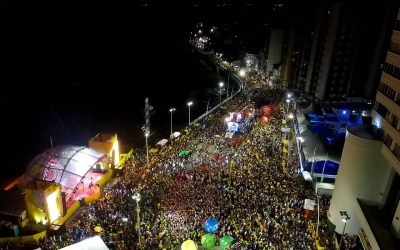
70 79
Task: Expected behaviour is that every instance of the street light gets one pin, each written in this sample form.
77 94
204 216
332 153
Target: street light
189 104
137 197
345 218
171 110
147 147
242 73
227 88
288 104
221 84
290 117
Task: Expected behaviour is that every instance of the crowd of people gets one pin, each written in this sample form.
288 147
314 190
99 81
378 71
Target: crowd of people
253 188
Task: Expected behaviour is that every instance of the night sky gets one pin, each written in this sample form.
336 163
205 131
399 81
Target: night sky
71 70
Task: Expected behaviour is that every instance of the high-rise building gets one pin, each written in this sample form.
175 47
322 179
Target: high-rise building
366 199
335 49
297 44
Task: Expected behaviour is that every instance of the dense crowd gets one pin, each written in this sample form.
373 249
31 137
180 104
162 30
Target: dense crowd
253 188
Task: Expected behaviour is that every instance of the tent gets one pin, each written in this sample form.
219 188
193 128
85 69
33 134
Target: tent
175 135
94 243
153 150
307 176
162 142
309 204
229 134
324 188
184 153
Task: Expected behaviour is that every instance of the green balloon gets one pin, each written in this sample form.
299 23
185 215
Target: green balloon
208 241
225 241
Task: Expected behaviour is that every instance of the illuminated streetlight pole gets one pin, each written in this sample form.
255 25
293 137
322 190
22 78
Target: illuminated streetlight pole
227 88
345 218
221 84
189 104
290 117
137 197
147 148
288 104
171 110
242 73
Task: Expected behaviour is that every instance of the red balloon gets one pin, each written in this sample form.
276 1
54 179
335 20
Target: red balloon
264 119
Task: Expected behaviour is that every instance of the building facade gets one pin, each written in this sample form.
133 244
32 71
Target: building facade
335 48
386 115
367 189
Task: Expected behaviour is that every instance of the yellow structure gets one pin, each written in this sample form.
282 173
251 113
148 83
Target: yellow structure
108 144
43 201
24 239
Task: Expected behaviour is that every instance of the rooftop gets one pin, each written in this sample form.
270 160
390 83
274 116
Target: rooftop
364 131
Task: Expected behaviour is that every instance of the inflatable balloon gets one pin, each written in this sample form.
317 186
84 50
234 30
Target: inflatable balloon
225 241
208 241
211 225
264 119
189 245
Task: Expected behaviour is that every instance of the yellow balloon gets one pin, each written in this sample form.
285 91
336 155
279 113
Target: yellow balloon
189 245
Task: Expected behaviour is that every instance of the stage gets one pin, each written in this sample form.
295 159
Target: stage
87 187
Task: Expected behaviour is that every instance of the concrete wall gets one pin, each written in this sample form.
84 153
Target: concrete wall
363 174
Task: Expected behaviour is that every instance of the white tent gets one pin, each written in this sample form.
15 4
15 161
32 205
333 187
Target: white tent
175 135
162 142
307 176
324 189
94 243
309 204
229 134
